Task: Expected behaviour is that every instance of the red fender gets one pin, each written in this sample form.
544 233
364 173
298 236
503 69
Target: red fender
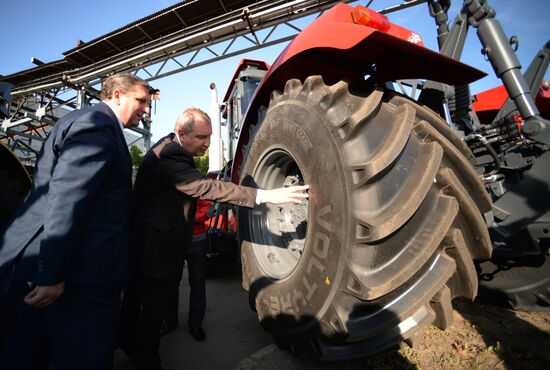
337 48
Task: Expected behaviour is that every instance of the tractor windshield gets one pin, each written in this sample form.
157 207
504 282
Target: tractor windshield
250 84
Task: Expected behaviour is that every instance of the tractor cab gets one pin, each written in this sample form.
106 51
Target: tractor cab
239 94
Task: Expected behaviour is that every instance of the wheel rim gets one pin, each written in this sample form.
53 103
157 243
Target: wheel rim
279 231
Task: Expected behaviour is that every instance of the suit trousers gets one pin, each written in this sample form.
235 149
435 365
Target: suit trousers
146 301
196 266
77 331
196 269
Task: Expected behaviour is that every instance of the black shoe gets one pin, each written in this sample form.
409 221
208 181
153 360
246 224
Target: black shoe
198 334
168 327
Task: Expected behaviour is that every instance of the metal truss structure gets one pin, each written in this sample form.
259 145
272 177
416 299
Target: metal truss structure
186 35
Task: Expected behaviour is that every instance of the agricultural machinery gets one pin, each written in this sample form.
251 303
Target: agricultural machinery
419 190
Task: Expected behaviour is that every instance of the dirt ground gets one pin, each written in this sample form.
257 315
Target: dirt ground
481 337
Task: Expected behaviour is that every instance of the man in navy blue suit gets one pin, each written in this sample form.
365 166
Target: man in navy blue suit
63 257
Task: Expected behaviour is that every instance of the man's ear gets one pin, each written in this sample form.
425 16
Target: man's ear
116 95
181 135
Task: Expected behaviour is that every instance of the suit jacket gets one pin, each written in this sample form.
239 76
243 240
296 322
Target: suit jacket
165 192
72 226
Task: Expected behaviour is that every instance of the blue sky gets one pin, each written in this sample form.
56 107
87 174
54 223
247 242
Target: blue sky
45 29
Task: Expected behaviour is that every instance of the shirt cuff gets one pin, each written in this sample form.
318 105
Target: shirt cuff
259 196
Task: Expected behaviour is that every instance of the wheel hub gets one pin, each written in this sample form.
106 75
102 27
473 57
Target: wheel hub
280 229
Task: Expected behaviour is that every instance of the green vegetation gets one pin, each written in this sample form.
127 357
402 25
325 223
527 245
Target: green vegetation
137 156
202 163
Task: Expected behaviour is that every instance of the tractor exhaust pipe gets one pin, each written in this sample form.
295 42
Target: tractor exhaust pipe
215 159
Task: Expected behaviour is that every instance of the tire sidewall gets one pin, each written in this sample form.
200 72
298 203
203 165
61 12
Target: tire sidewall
305 293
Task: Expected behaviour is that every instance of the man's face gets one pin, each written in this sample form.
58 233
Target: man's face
197 141
131 105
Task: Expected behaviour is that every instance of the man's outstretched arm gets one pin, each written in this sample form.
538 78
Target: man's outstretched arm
244 196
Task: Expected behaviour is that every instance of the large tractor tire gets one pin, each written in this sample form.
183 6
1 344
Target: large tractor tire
389 234
520 283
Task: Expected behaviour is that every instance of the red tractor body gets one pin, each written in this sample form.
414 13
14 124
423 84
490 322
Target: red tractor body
400 218
488 103
337 47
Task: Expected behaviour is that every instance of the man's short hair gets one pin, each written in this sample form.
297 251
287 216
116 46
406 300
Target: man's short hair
123 81
186 120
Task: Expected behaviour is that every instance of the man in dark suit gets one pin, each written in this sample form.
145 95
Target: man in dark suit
165 192
196 258
63 257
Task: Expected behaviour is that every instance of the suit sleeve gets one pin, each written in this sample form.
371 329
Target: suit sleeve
84 155
179 170
220 191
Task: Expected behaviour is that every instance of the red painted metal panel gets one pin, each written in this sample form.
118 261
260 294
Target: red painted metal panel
337 48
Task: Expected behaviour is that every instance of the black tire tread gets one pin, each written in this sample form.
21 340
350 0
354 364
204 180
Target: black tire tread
456 160
428 226
424 113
